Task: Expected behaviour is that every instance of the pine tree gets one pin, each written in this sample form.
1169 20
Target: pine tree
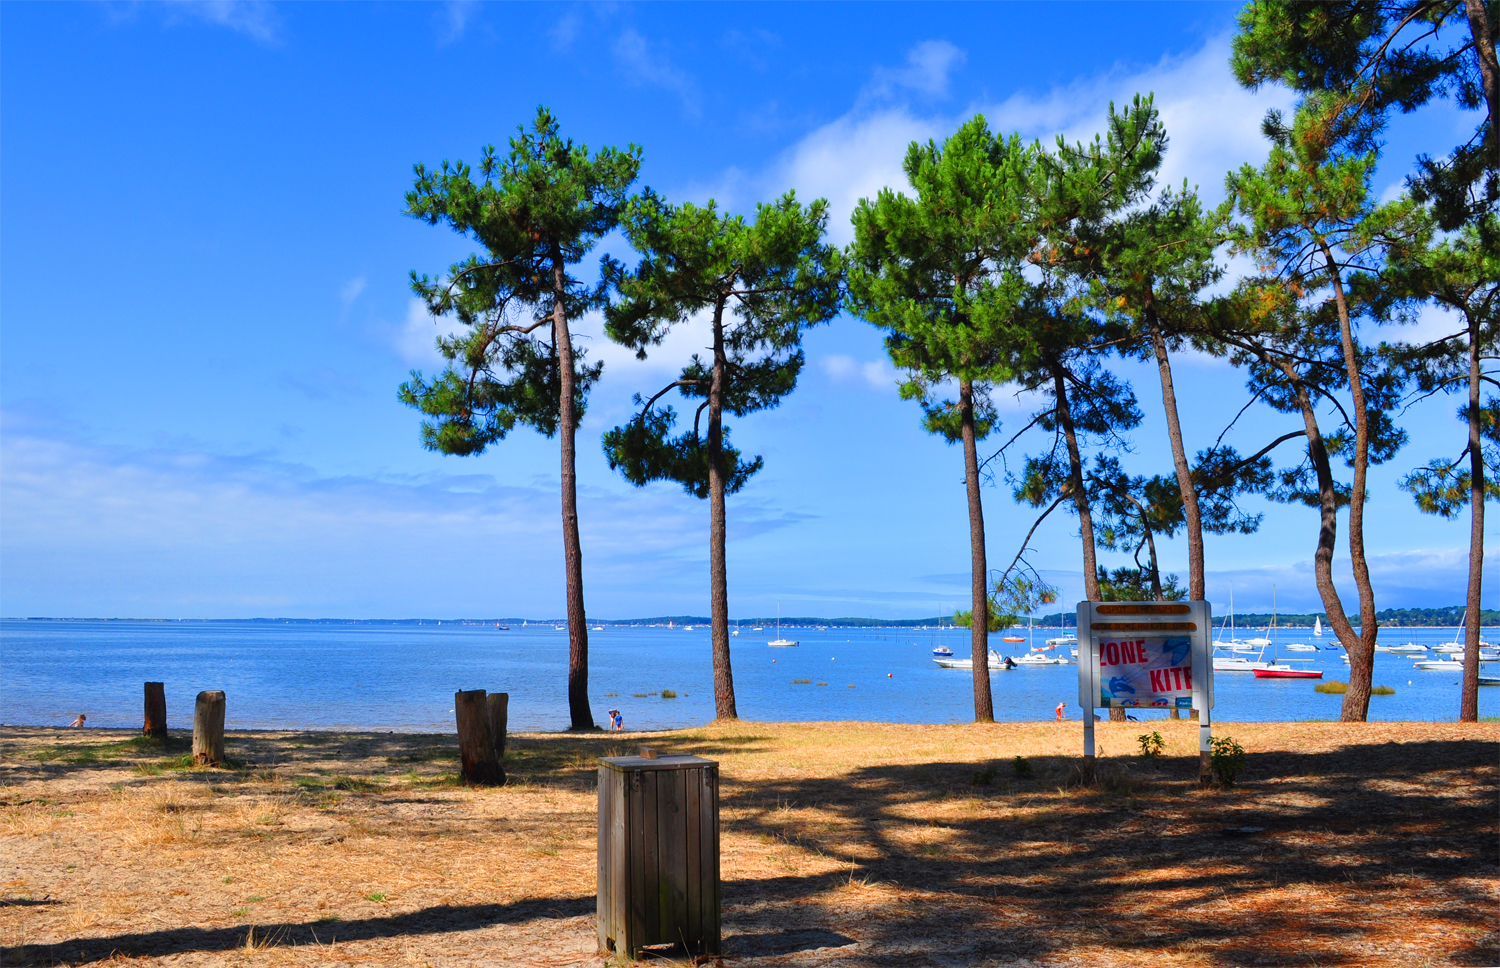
762 284
535 211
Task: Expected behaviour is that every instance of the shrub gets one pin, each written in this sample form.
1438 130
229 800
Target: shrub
984 777
1227 759
1382 691
1151 743
1021 767
1334 688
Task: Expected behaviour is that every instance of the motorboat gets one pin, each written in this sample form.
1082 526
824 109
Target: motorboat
1235 663
1489 655
1013 638
995 662
1300 647
1452 648
943 652
1485 680
1440 665
1277 670
1410 648
1068 640
1037 659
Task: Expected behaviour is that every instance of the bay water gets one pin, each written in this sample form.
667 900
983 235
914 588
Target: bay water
402 676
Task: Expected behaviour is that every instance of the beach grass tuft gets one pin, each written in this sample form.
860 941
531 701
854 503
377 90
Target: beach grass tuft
669 694
1332 688
1382 691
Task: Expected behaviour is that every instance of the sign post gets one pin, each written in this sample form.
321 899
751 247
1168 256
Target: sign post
1145 655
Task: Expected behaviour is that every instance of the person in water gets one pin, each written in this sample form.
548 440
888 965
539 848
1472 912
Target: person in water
1060 707
77 722
616 721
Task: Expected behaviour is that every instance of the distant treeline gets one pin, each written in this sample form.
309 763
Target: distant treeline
1390 617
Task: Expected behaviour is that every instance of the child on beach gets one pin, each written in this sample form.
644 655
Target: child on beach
77 722
616 721
1060 707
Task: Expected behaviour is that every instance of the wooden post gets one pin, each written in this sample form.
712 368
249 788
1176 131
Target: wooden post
208 729
499 717
476 750
156 711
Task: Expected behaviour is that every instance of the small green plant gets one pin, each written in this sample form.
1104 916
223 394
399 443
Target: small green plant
1021 767
984 777
228 878
669 694
1332 688
377 896
239 912
800 682
1382 691
1152 744
254 898
1227 759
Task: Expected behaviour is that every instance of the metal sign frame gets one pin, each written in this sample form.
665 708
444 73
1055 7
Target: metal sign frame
1099 621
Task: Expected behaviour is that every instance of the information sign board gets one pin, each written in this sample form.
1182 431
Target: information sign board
1137 655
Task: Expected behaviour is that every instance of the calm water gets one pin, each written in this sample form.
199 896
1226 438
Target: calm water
404 677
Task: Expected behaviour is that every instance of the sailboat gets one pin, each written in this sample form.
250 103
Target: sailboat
780 642
1236 663
1318 626
1278 669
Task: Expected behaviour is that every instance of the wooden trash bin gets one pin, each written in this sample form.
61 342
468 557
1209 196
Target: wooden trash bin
658 854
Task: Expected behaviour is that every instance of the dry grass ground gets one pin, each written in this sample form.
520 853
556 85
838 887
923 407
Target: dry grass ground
843 845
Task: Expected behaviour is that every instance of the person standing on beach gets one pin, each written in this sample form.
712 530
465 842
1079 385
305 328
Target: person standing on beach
1060 707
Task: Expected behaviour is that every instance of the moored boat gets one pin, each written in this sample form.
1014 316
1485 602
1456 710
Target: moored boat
1278 671
1440 665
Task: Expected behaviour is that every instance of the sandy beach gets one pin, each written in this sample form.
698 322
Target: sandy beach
843 845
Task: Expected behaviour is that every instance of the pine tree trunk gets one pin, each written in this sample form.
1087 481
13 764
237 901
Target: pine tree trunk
1468 703
724 706
1075 482
1081 502
1489 69
1192 519
979 628
155 724
580 717
1357 699
1328 511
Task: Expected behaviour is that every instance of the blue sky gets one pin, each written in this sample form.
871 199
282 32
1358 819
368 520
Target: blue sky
204 310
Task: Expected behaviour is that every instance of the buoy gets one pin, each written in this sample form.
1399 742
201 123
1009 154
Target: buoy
887 675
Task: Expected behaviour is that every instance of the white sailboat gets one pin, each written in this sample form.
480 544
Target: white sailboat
1236 663
779 642
1318 626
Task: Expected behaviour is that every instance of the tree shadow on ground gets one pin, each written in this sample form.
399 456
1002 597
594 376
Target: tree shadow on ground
1141 862
176 941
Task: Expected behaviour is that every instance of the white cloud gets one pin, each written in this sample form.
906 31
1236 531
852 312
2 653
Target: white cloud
253 18
648 65
927 70
1213 125
455 20
350 291
416 340
878 374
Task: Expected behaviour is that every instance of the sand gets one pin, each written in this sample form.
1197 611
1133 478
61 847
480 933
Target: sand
843 845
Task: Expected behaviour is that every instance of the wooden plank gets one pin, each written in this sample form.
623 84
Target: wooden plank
709 859
651 856
603 900
693 867
672 793
619 916
636 818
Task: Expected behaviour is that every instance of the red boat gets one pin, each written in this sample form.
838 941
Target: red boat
1283 673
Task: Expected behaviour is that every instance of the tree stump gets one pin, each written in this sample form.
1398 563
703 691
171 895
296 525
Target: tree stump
208 729
499 719
476 750
155 725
